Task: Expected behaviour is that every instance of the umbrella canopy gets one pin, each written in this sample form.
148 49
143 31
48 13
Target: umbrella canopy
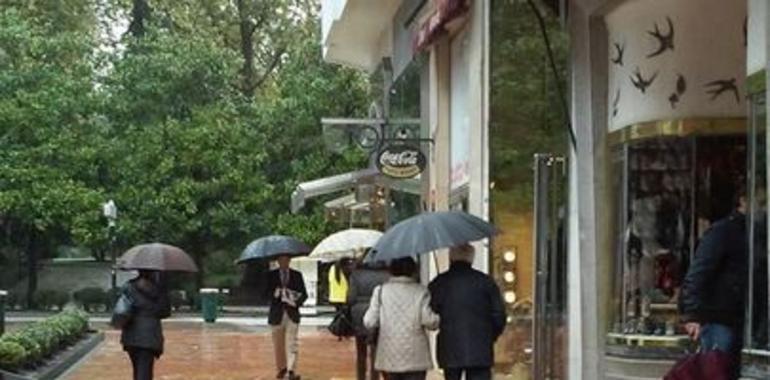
273 246
428 232
345 244
157 256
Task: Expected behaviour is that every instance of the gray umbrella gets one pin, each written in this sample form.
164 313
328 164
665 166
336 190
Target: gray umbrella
157 256
273 246
428 232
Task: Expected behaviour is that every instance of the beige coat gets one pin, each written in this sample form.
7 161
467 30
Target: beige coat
403 318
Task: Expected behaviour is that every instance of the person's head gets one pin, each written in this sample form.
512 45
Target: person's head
147 274
741 198
403 267
284 261
462 253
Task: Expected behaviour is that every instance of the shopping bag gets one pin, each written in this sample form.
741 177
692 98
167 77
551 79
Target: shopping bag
709 365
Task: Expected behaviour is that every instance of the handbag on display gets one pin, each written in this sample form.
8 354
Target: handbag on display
342 324
122 312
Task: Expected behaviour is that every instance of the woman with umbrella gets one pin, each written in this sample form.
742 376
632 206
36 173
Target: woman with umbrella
144 302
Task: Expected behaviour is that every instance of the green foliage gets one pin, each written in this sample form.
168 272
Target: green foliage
12 355
92 298
47 299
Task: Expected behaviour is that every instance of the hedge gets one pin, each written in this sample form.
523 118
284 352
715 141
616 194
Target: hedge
29 346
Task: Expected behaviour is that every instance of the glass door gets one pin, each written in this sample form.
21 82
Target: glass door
550 236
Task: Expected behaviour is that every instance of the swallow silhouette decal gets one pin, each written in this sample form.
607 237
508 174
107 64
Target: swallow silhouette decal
681 88
665 41
615 103
746 31
718 87
619 51
640 82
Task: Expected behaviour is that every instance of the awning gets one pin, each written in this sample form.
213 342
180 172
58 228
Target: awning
327 185
333 184
435 26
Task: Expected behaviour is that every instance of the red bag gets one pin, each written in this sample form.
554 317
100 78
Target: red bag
711 365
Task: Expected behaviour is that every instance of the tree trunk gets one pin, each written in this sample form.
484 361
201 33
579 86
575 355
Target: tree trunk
247 29
32 259
140 12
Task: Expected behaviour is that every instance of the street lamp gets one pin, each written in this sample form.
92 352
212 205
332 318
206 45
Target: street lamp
110 211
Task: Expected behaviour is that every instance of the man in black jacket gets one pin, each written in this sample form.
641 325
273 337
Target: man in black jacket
472 317
714 290
286 290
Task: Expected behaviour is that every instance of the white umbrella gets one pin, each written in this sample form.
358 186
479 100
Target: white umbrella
345 244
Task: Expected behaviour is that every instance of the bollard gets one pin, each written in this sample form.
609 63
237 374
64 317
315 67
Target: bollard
209 304
3 296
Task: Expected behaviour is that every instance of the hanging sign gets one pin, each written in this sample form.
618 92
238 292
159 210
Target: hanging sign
401 161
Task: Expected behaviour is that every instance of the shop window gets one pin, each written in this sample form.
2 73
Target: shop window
666 191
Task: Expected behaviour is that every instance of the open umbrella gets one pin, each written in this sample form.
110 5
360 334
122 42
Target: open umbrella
428 232
157 256
345 244
272 246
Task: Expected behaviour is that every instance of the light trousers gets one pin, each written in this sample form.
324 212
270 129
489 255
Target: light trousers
286 343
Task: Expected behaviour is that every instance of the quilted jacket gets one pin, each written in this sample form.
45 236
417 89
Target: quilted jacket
403 315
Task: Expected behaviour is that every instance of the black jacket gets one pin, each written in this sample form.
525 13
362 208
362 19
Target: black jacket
360 288
714 288
277 307
472 316
148 306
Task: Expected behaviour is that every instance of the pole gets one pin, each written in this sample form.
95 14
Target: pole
114 272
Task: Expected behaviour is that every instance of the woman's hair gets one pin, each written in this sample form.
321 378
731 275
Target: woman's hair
337 271
403 267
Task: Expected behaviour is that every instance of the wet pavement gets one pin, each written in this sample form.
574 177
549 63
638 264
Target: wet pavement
221 352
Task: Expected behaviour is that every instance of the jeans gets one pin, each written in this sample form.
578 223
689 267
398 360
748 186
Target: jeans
417 375
142 361
365 351
470 373
717 337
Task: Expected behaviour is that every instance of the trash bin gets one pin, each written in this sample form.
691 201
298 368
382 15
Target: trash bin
209 304
3 296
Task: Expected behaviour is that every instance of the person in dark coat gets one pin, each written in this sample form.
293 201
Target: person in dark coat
472 317
713 293
286 291
142 336
361 285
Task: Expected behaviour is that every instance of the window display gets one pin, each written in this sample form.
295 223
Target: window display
667 191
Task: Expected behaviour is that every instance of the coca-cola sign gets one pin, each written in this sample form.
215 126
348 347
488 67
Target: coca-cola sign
401 161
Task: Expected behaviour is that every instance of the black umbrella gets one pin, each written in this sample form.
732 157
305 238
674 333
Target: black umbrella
157 256
273 246
428 232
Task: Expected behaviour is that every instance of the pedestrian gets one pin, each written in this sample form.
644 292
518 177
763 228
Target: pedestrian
363 280
286 290
472 317
400 309
142 334
338 283
713 292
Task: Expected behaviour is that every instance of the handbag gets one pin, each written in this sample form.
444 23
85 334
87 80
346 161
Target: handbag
342 324
122 312
374 333
709 365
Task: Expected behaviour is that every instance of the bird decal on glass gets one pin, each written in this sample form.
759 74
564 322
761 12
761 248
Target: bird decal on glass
640 82
719 87
665 41
619 52
681 88
615 103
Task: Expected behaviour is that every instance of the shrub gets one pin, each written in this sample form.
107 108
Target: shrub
91 297
12 355
48 299
177 298
34 342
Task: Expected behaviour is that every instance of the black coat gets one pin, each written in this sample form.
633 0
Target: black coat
472 316
714 288
277 307
148 306
360 288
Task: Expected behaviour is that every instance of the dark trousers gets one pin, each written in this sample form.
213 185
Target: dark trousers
417 375
470 373
143 362
365 351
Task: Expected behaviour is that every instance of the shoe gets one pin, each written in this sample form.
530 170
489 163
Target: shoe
281 374
293 376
